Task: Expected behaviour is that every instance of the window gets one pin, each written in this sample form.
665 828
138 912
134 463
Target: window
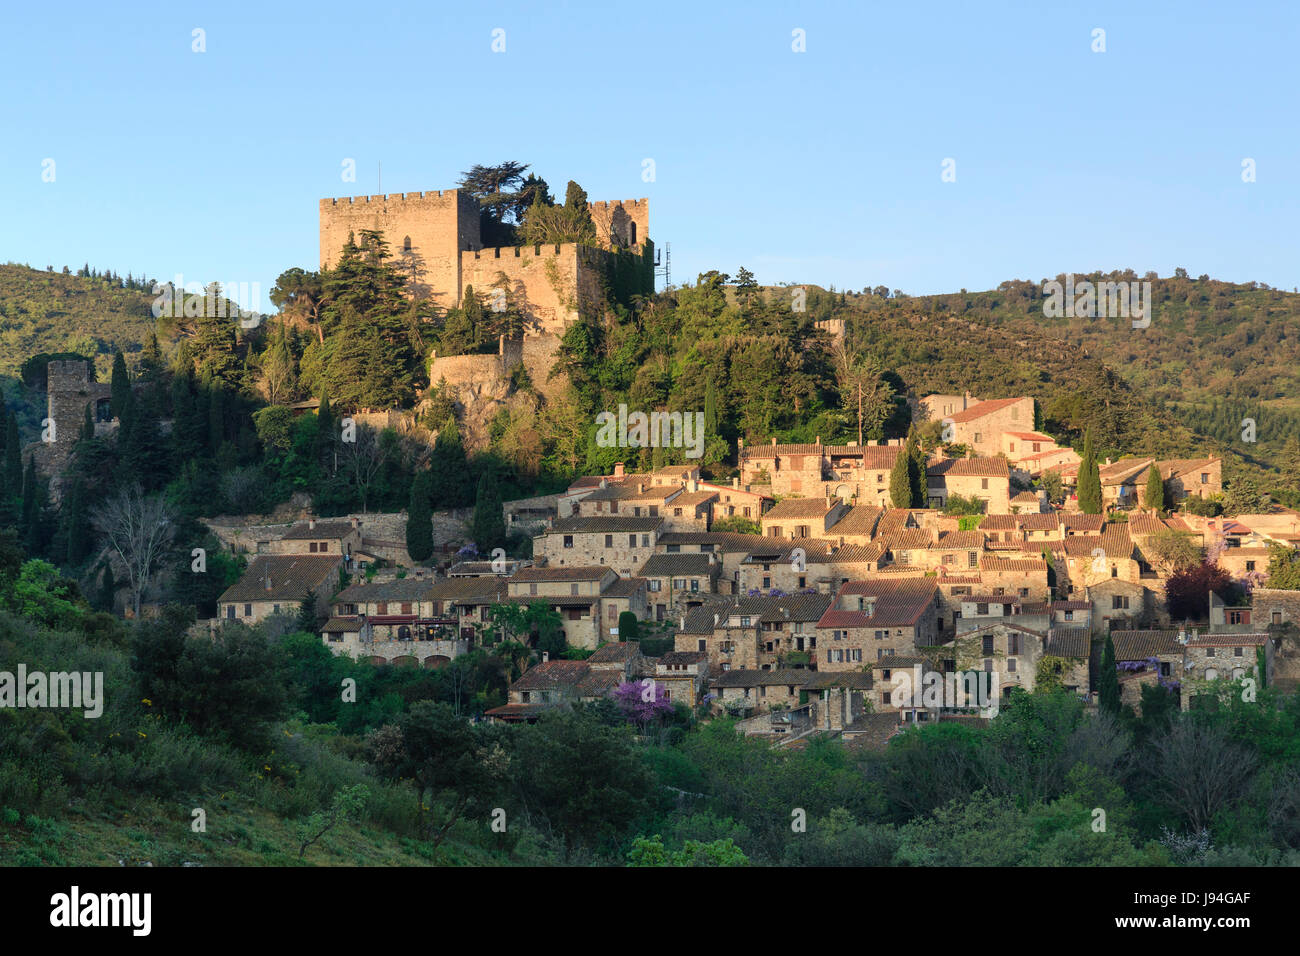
324 546
311 548
1250 565
1237 651
230 610
1211 674
977 438
654 584
1013 644
573 589
1209 652
972 559
767 582
1205 478
609 541
988 643
988 665
532 589
645 540
695 584
654 511
1011 665
1114 571
568 541
1277 617
1119 603
984 484
382 608
406 244
982 609
1236 617
248 610
677 512
406 607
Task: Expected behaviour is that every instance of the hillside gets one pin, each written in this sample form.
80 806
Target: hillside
58 312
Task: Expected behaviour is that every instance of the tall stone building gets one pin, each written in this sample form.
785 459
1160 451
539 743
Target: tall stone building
69 388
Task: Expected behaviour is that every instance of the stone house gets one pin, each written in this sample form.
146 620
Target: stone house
1118 604
755 633
684 675
622 542
678 582
980 426
743 691
876 618
797 518
985 479
277 584
1217 657
575 593
320 536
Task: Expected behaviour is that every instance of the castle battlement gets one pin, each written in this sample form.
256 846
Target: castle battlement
603 205
525 252
392 197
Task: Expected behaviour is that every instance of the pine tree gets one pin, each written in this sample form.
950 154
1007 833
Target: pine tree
419 520
900 480
32 525
489 523
1108 679
1089 482
13 470
107 598
76 525
216 419
1155 495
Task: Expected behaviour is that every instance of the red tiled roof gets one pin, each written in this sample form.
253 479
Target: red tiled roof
983 408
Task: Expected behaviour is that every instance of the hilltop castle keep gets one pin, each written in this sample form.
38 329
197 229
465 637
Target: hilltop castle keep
434 237
69 389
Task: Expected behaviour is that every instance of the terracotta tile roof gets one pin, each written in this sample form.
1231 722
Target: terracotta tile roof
628 491
788 508
693 499
959 540
488 590
405 589
860 519
1031 436
1025 498
620 652
980 409
290 575
324 530
1124 470
856 553
598 683
899 602
773 451
597 524
623 587
873 731
1181 466
589 572
1082 522
747 677
913 539
1229 640
672 565
722 541
821 680
779 550
1138 645
970 468
999 523
1069 642
342 625
1114 542
552 675
1038 522
893 520
989 563
1145 524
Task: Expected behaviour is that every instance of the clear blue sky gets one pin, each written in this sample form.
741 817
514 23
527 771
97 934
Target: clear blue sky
820 167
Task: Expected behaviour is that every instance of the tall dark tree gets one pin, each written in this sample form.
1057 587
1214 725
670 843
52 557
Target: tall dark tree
1155 491
419 520
121 398
449 470
489 523
1089 481
900 481
1108 696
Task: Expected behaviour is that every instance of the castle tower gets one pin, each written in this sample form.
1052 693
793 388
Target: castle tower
68 389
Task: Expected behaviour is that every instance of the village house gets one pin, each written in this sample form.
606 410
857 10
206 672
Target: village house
876 618
755 633
465 603
278 584
684 675
554 684
1208 658
786 566
985 479
1124 482
1118 604
678 582
848 472
589 599
797 518
622 542
393 622
980 426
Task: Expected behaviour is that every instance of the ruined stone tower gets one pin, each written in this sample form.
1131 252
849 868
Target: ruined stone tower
69 389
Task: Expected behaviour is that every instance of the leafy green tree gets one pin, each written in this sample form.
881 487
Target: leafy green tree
488 525
651 852
307 622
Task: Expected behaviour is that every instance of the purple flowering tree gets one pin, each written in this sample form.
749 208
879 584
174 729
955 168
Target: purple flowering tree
643 702
468 552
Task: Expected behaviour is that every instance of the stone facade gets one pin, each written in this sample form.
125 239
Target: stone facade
69 389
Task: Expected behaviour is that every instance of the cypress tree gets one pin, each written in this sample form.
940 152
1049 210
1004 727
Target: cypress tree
449 470
87 426
33 526
306 621
1089 483
120 399
107 597
419 520
900 480
1155 495
216 419
916 471
324 443
13 470
1108 680
75 525
489 523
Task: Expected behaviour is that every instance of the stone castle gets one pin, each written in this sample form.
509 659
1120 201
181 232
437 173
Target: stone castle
69 388
434 238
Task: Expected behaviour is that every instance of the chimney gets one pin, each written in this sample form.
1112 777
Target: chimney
311 523
735 482
618 470
1108 461
546 656
355 522
692 486
819 441
603 482
268 579
640 487
773 441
